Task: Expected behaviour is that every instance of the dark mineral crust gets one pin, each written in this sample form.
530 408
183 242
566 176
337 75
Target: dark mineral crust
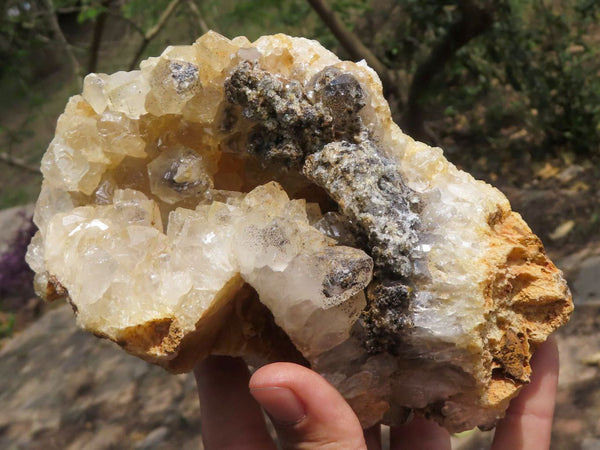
318 129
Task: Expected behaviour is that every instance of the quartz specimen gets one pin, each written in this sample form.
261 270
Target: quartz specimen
256 200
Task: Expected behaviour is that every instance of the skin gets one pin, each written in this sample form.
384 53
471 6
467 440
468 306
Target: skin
308 413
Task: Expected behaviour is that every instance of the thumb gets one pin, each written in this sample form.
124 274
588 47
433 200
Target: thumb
306 410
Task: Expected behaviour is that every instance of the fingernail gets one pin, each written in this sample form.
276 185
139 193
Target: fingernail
281 404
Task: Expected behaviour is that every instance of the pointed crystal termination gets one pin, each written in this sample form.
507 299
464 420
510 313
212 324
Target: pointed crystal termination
257 200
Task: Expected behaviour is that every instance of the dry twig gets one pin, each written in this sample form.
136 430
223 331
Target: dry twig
60 37
353 45
152 32
200 22
19 163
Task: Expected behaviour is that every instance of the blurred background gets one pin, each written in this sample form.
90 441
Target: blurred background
510 89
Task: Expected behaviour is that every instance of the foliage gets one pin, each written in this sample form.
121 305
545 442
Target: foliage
143 13
89 10
253 18
536 69
417 26
548 54
13 197
7 324
20 32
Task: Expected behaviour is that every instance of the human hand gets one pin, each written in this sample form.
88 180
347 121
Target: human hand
308 412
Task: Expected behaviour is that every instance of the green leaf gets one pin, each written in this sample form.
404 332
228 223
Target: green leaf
7 325
90 13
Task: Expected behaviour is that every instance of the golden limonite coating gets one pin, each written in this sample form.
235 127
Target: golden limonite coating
256 200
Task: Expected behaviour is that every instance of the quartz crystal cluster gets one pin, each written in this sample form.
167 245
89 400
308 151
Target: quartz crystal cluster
256 200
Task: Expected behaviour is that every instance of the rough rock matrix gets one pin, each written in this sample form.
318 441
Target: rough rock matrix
256 199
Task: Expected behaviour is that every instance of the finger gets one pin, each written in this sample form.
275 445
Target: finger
420 434
306 410
230 416
528 421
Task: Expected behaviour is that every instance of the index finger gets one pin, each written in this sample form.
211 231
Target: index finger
230 417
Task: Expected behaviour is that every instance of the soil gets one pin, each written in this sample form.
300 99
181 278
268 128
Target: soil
63 388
